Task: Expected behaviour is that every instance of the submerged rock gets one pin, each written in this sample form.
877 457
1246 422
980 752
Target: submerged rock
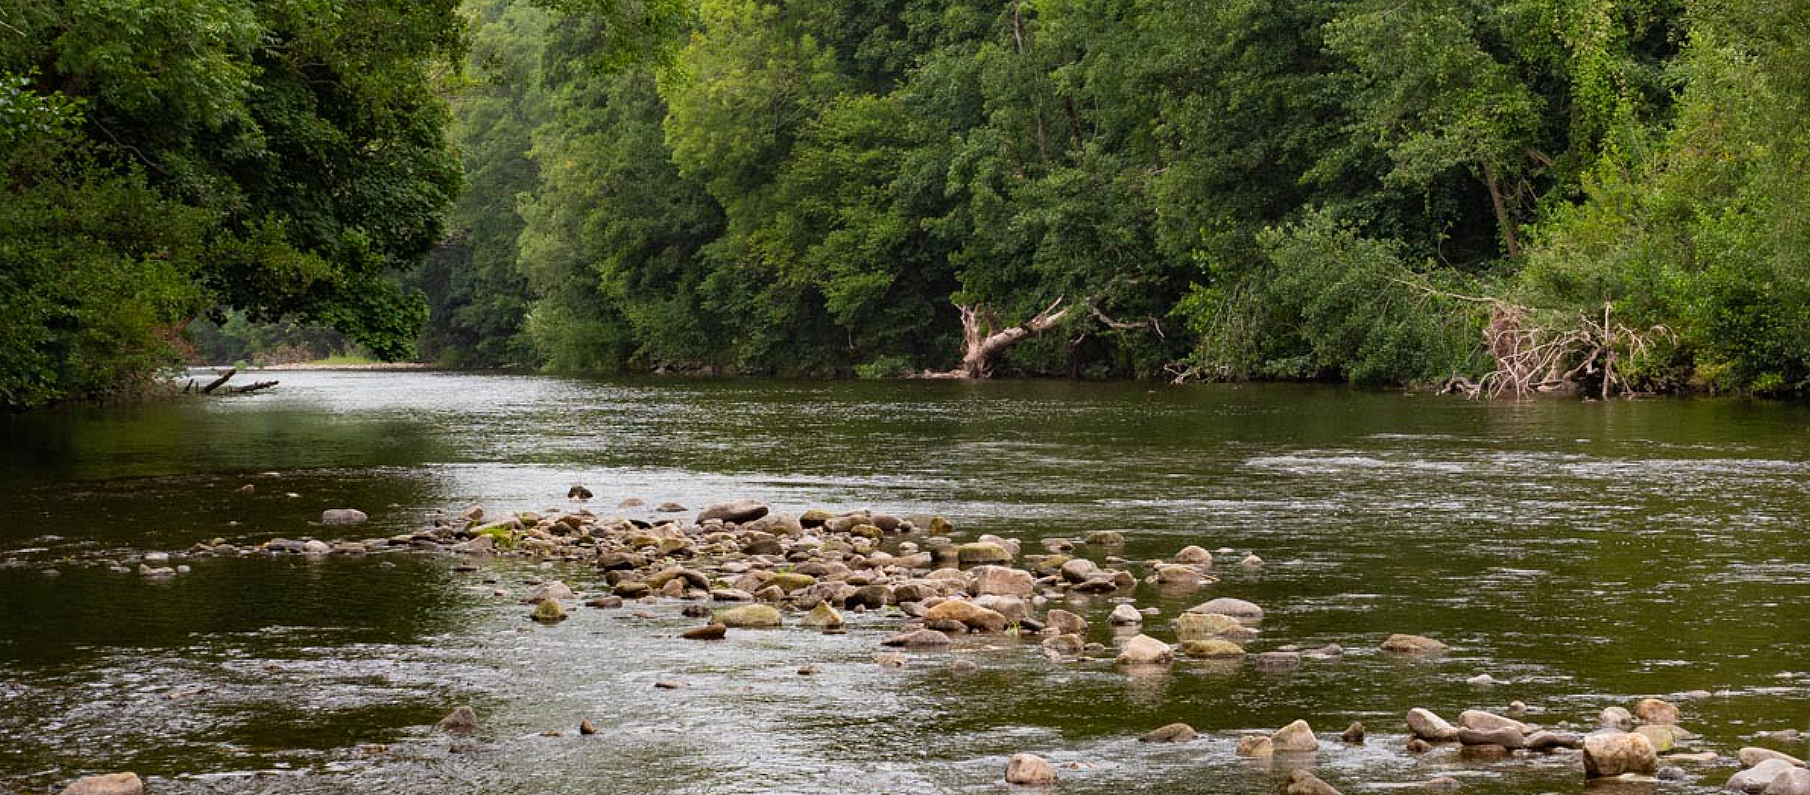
917 639
1353 734
1105 538
1029 770
706 632
109 784
548 611
736 511
462 720
1412 644
1212 649
1200 626
1301 782
1172 733
1194 556
1227 606
1255 745
343 516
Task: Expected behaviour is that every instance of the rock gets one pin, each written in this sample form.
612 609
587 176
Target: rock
109 784
1502 735
1795 781
1753 756
605 602
578 492
1759 778
315 546
706 632
980 552
1295 737
1125 615
1255 746
669 684
1671 773
587 727
1212 649
972 616
1301 782
1145 650
1200 626
1251 562
789 581
750 616
807 670
1487 721
554 590
1064 645
1430 727
1172 733
1353 734
1227 606
1105 538
1615 753
736 511
1415 745
1412 644
1615 718
548 611
1663 736
1002 580
1065 622
917 639
1546 741
1178 575
1653 710
343 516
1029 770
1483 680
1194 556
462 720
822 617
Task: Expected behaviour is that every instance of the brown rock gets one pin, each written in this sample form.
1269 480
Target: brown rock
109 784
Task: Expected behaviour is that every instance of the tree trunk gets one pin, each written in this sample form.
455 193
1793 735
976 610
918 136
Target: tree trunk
1503 222
980 346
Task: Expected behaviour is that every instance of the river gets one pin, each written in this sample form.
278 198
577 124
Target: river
1588 554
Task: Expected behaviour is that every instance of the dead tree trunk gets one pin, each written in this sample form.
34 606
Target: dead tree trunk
216 384
980 345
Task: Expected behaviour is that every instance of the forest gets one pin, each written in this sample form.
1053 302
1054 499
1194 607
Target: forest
1501 196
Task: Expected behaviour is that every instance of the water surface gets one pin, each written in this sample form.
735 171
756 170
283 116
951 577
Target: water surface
1588 553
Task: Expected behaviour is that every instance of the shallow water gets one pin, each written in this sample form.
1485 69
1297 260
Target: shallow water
1590 554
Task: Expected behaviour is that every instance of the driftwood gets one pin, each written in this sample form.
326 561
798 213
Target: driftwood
256 386
983 341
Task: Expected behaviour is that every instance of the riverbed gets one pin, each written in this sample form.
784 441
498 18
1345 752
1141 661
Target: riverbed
1586 554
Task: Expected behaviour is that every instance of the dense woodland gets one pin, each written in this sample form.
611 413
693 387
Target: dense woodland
1502 195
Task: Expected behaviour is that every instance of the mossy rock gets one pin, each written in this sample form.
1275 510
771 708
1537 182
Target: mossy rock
750 616
823 617
549 611
981 552
866 531
940 526
814 518
1212 649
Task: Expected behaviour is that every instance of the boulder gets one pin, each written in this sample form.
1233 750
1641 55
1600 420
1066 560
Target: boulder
1172 733
982 552
1029 770
343 516
736 511
1194 556
789 581
706 632
1546 741
1255 745
1176 575
548 611
1301 782
1212 649
1795 781
1145 650
1615 718
1759 778
1065 622
1295 737
462 720
1200 626
1502 735
972 616
1430 727
822 617
1002 580
917 639
1064 645
1412 644
1105 538
1653 710
1125 615
109 784
1663 736
1487 721
1078 570
1753 756
750 616
1353 734
1227 606
1615 753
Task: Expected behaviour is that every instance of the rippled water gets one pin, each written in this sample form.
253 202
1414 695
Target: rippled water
1590 554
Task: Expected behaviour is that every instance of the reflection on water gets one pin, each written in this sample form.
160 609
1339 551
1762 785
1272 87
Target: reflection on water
1587 554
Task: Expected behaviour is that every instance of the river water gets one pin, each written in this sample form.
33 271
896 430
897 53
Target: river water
1587 554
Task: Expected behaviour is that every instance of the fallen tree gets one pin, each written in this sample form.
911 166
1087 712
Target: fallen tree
983 340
